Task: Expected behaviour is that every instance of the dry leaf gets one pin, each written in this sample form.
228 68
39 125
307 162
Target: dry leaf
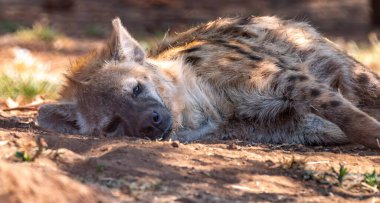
11 103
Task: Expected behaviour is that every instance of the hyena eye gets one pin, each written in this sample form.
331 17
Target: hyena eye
137 89
112 126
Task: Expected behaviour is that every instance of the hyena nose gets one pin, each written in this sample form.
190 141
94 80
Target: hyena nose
156 118
154 123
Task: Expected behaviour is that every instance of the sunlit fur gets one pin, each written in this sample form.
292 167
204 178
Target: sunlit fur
260 79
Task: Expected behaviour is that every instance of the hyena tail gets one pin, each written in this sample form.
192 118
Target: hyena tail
321 100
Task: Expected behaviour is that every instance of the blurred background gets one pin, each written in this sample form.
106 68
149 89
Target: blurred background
39 39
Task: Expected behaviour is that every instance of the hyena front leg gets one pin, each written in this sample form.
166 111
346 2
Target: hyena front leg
294 94
204 132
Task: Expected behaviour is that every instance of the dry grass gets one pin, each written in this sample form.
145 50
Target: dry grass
39 32
367 53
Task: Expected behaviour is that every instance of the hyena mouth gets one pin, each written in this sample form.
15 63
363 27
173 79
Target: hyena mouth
167 132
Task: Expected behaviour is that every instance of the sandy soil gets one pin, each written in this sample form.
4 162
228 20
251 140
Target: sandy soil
74 168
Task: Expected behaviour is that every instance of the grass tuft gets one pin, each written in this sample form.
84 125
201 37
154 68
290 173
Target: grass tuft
25 89
25 77
372 179
38 32
343 171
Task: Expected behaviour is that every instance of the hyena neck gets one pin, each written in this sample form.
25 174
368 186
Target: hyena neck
193 105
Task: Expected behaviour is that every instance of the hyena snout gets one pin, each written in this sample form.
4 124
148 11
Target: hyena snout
155 123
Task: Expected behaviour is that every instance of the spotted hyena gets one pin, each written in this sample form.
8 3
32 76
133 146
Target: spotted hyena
260 79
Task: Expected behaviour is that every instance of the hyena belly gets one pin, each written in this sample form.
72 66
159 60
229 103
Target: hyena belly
284 81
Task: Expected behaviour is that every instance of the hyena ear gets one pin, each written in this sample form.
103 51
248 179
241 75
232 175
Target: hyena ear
123 46
59 117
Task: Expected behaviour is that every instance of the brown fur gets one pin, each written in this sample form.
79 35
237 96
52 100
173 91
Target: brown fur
259 78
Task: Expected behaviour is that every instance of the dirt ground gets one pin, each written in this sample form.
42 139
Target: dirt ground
74 168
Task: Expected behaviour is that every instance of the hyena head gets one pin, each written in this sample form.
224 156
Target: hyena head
115 92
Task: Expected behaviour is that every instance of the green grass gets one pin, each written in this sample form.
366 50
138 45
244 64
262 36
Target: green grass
38 32
372 179
23 156
343 171
25 88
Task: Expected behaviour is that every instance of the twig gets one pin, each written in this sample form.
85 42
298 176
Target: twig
317 162
374 189
41 144
32 106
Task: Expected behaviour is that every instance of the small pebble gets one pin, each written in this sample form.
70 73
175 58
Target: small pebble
232 146
175 144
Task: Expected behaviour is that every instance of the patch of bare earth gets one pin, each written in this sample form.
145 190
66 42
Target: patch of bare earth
74 168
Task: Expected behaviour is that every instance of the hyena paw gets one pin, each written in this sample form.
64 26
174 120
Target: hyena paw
185 136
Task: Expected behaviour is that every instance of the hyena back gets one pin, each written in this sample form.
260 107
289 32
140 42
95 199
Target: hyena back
259 78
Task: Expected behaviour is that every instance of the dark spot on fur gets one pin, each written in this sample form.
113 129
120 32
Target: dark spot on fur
236 32
291 78
274 86
246 35
73 124
244 21
219 41
280 65
302 77
230 30
363 78
242 52
290 88
297 77
346 119
294 69
305 53
336 83
192 49
323 106
335 103
193 60
331 66
233 58
315 92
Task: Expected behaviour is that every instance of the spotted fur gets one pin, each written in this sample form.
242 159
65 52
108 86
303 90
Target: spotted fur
260 79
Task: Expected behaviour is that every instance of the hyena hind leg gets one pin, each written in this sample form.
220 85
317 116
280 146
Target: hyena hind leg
296 94
358 126
367 89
